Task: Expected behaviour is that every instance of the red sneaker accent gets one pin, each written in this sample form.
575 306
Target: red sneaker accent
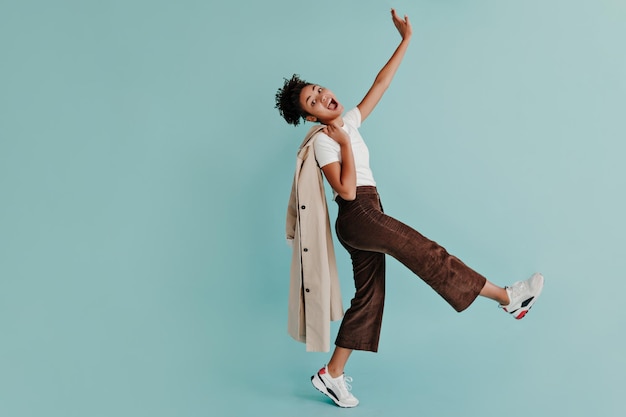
522 314
322 371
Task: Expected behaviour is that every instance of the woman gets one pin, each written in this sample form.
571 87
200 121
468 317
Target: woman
368 234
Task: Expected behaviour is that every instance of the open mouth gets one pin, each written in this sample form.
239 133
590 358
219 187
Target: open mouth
332 105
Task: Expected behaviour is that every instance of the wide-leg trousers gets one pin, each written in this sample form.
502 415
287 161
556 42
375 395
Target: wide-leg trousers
368 234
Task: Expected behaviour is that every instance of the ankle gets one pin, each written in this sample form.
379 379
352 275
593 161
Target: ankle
334 371
505 300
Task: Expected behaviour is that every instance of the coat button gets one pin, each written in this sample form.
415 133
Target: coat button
305 249
307 290
303 207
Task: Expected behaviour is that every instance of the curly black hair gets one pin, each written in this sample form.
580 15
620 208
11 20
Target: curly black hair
288 100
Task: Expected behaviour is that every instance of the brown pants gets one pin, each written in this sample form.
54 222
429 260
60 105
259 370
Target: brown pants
368 234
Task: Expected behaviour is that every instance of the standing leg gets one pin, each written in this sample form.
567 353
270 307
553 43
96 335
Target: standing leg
362 322
338 361
360 327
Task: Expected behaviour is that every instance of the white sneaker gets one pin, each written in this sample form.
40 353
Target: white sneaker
522 295
337 389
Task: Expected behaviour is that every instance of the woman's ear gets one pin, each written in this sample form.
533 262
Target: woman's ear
310 118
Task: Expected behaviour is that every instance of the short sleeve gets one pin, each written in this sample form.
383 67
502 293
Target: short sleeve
353 117
327 150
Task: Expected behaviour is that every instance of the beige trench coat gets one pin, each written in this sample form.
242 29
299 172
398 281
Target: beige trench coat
314 293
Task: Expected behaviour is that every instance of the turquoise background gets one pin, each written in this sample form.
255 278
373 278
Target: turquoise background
144 176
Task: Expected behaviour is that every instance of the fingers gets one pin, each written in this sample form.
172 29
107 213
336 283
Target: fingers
336 133
395 16
329 129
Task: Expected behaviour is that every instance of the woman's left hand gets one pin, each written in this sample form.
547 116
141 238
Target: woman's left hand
336 133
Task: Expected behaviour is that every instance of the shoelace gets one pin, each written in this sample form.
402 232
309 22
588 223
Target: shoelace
516 290
346 382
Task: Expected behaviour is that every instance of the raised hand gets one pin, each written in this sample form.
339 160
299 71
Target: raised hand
403 25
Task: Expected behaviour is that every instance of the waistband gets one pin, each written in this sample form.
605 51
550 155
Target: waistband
363 191
366 190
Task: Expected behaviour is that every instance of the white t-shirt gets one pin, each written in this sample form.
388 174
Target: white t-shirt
328 151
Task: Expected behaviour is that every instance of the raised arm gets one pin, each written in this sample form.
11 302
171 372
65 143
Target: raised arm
384 77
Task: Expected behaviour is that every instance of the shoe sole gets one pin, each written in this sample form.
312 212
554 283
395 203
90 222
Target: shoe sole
321 387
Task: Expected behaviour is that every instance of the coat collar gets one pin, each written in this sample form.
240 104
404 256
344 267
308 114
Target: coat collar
311 133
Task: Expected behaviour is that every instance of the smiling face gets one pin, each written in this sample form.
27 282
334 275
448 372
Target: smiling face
320 104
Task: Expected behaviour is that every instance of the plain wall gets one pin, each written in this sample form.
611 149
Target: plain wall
144 177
